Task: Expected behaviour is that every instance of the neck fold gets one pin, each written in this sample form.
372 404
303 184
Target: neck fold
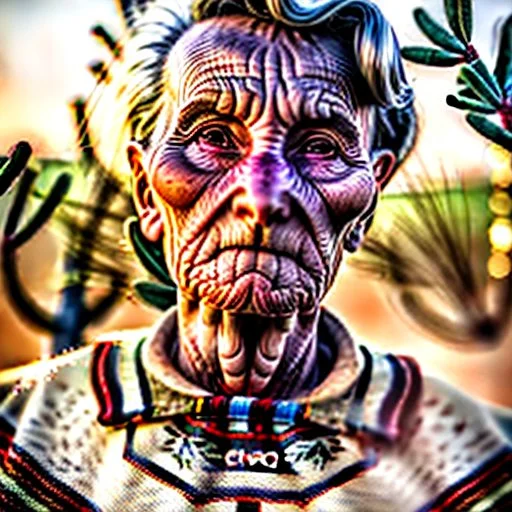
245 354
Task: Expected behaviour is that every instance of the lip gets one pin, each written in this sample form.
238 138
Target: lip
219 278
252 293
259 249
306 259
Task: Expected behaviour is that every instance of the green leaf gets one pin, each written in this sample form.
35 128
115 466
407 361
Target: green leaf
467 93
503 70
149 254
479 85
479 66
460 18
437 33
469 104
431 57
490 130
156 295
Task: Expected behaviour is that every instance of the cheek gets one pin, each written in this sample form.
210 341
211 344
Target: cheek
174 182
349 198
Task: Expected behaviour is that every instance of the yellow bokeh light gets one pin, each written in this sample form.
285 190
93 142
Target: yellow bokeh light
500 203
500 163
501 176
499 265
500 235
498 157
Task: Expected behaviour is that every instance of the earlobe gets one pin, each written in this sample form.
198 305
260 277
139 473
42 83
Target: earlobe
151 223
383 162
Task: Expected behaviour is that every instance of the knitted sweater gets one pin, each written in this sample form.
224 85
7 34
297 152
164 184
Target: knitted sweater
119 429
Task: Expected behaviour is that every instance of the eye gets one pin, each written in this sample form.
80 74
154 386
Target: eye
216 145
216 137
320 145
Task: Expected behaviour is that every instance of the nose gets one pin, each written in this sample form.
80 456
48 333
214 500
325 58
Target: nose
262 209
263 197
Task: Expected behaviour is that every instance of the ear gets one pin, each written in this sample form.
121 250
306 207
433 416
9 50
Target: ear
151 223
383 162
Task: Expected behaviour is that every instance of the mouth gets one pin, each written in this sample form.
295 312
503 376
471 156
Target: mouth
257 280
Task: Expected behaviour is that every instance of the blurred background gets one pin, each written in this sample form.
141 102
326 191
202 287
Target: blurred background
45 47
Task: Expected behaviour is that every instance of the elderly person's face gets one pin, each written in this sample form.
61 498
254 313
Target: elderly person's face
262 169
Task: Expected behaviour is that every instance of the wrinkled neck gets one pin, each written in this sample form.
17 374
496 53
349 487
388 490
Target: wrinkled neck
245 354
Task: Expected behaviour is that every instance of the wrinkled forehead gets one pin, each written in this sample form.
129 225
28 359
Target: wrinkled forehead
236 56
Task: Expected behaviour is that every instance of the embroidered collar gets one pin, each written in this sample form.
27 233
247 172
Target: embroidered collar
333 339
134 380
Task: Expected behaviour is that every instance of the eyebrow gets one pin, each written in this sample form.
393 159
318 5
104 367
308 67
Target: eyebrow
194 110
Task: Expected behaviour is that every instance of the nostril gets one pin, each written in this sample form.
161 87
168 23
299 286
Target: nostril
262 208
279 210
243 209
